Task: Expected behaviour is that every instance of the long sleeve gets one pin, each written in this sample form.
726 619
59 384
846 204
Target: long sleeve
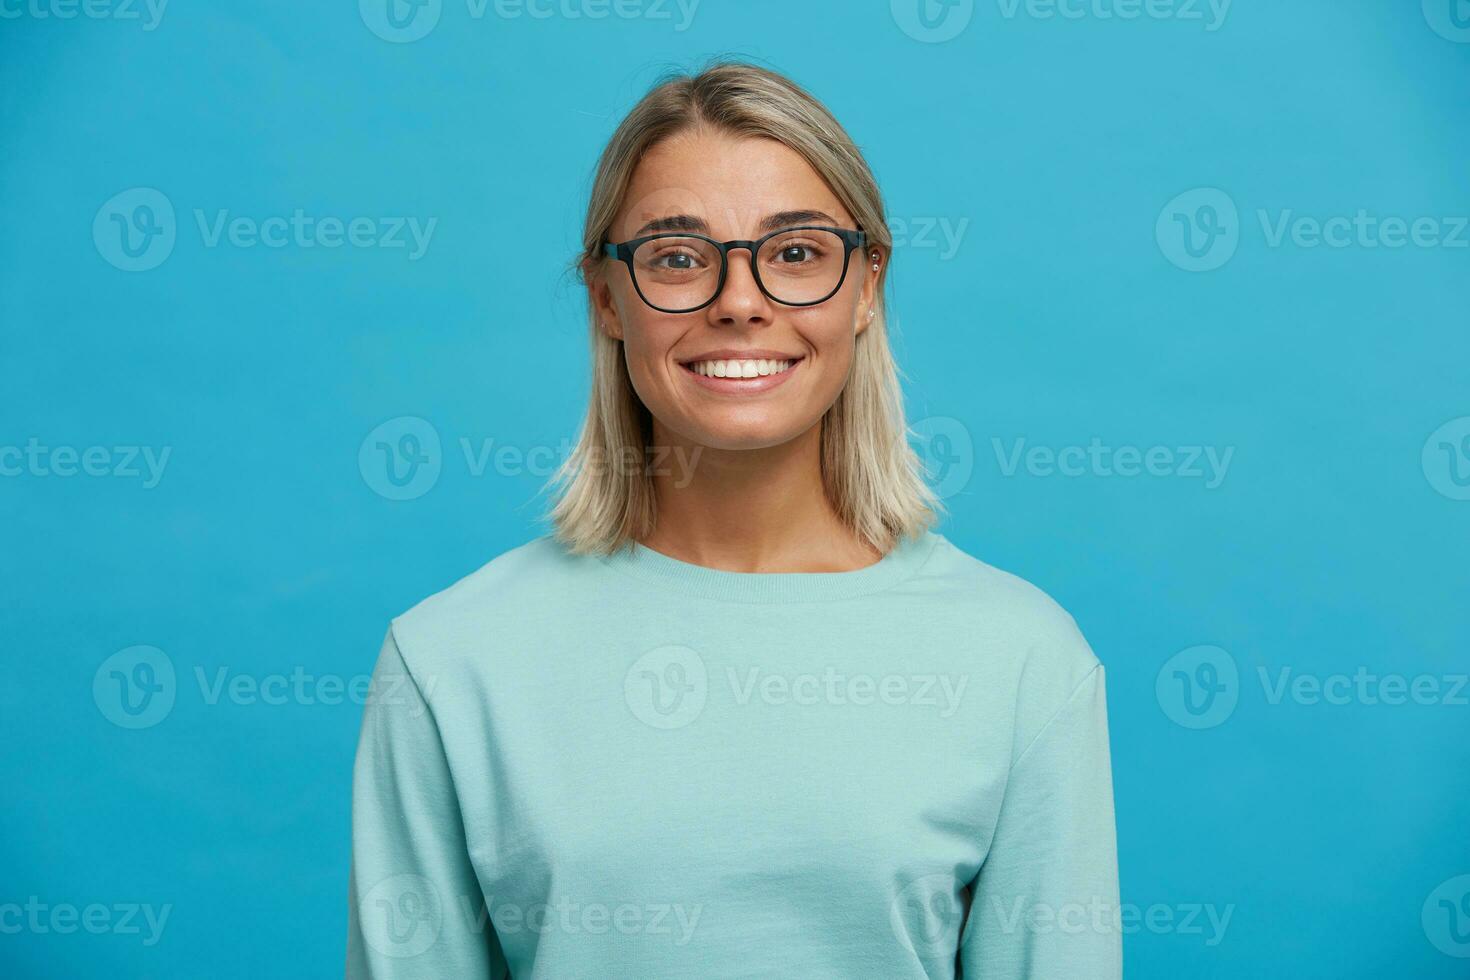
415 906
1045 903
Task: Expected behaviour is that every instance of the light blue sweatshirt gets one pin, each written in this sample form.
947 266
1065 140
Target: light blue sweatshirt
633 766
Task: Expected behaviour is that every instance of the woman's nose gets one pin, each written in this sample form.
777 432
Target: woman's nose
741 300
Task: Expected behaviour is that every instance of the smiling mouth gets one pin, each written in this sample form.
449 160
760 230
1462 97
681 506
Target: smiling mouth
758 367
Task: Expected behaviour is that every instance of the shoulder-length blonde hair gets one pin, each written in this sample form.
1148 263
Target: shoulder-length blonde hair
869 471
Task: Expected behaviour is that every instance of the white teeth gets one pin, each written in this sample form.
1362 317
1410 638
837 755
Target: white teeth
759 368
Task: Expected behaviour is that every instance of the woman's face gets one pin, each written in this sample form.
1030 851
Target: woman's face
732 187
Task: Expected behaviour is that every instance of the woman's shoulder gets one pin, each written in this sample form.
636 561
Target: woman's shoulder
495 598
513 569
1023 639
1018 613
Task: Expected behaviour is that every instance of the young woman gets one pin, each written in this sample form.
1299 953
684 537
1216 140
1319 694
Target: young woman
742 713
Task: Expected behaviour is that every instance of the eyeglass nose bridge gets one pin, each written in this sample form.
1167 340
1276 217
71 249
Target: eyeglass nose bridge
753 247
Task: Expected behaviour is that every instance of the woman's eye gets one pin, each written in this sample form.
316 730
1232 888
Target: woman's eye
675 260
797 253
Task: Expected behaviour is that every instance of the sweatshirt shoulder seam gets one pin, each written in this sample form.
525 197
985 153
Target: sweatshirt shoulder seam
1067 703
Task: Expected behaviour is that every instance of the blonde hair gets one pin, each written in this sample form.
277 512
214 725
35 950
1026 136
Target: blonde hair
869 471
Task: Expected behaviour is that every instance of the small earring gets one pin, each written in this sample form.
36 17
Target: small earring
871 313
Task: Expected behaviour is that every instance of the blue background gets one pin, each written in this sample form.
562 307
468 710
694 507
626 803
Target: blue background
1064 314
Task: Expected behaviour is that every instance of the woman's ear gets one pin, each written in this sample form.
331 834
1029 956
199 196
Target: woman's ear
599 297
873 260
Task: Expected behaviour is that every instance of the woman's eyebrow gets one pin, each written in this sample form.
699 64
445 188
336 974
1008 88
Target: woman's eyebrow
783 219
673 222
689 222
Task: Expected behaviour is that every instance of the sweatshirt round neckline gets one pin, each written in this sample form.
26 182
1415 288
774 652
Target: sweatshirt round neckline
902 560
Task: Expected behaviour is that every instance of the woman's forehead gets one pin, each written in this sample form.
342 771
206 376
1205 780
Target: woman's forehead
732 184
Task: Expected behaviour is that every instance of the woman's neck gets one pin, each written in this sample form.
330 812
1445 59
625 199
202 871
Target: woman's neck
750 510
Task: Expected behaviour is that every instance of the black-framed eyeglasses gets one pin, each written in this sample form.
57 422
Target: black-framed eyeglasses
680 272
